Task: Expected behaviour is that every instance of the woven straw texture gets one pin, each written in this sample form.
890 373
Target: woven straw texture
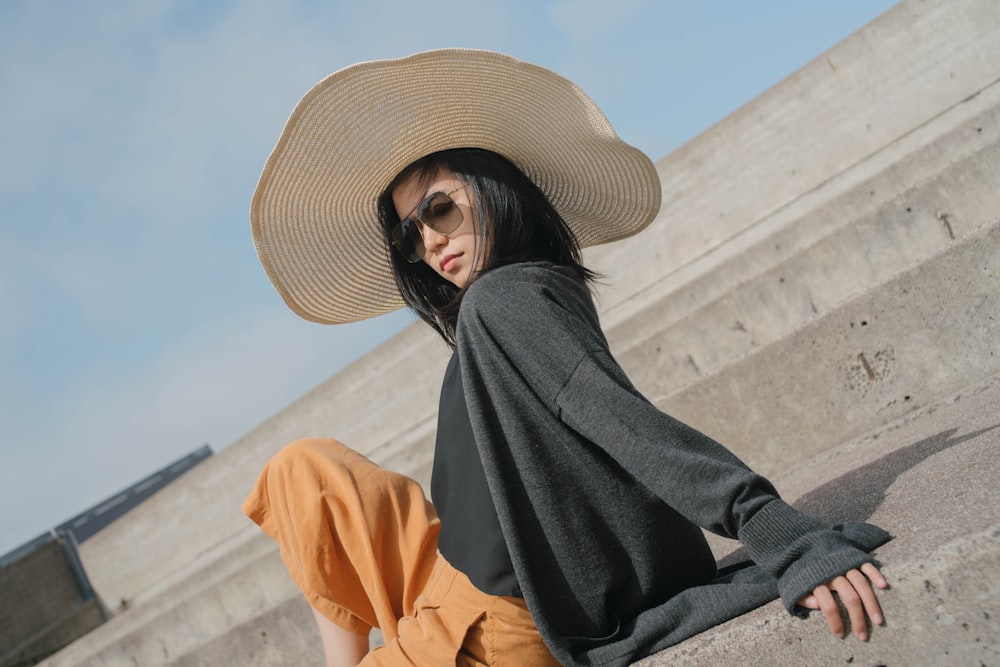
313 214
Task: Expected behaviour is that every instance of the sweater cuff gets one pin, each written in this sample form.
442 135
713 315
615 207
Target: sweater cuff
773 535
802 553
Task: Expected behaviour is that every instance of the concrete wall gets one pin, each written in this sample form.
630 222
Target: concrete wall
883 247
42 606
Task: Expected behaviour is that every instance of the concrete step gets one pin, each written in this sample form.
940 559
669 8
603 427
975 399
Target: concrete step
282 635
916 196
87 614
918 337
823 252
930 479
175 622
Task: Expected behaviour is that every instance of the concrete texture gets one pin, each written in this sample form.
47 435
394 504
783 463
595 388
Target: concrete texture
20 619
43 605
829 246
74 623
920 336
283 635
788 218
930 479
226 594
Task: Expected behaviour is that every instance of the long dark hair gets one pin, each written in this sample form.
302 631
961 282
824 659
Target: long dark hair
517 223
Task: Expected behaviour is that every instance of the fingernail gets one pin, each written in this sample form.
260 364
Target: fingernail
877 619
862 636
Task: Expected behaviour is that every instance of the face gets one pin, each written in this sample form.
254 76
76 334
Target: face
452 256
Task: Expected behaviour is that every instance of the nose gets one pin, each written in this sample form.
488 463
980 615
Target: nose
433 240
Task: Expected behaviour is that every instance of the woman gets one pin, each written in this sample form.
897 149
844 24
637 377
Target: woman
462 184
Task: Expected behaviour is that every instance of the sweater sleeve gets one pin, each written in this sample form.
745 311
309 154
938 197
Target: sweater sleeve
549 335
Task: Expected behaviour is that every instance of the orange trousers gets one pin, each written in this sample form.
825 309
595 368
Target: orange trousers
360 542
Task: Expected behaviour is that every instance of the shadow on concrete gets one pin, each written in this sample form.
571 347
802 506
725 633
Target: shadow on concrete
855 495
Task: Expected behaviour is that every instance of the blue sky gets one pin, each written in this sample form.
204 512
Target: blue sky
135 321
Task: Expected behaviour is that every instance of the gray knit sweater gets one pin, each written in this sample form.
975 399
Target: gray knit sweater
600 494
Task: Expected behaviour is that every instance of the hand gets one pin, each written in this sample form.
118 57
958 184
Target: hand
854 588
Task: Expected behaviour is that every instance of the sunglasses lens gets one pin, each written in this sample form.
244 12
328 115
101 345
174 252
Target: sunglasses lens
406 237
440 213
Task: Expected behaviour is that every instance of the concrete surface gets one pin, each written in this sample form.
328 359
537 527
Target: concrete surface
281 636
834 243
921 336
930 479
74 623
227 594
43 604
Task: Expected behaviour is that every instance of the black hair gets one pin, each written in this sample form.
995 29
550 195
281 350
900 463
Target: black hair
521 225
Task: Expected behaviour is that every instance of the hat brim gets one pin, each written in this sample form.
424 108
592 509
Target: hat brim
314 212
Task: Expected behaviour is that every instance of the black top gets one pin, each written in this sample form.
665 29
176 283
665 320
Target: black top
470 539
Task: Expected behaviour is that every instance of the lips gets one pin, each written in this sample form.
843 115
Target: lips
448 261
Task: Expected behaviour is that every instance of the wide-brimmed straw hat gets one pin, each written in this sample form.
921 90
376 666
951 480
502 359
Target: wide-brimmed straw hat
314 212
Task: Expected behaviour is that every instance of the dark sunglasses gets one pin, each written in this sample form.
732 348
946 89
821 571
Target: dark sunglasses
438 211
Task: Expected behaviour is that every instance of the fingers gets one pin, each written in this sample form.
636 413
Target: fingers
809 602
831 612
868 600
851 599
875 575
854 589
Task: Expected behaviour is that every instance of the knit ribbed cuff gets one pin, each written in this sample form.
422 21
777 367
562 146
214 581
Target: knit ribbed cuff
773 533
802 553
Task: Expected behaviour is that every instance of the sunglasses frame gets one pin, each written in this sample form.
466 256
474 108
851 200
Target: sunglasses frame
415 219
